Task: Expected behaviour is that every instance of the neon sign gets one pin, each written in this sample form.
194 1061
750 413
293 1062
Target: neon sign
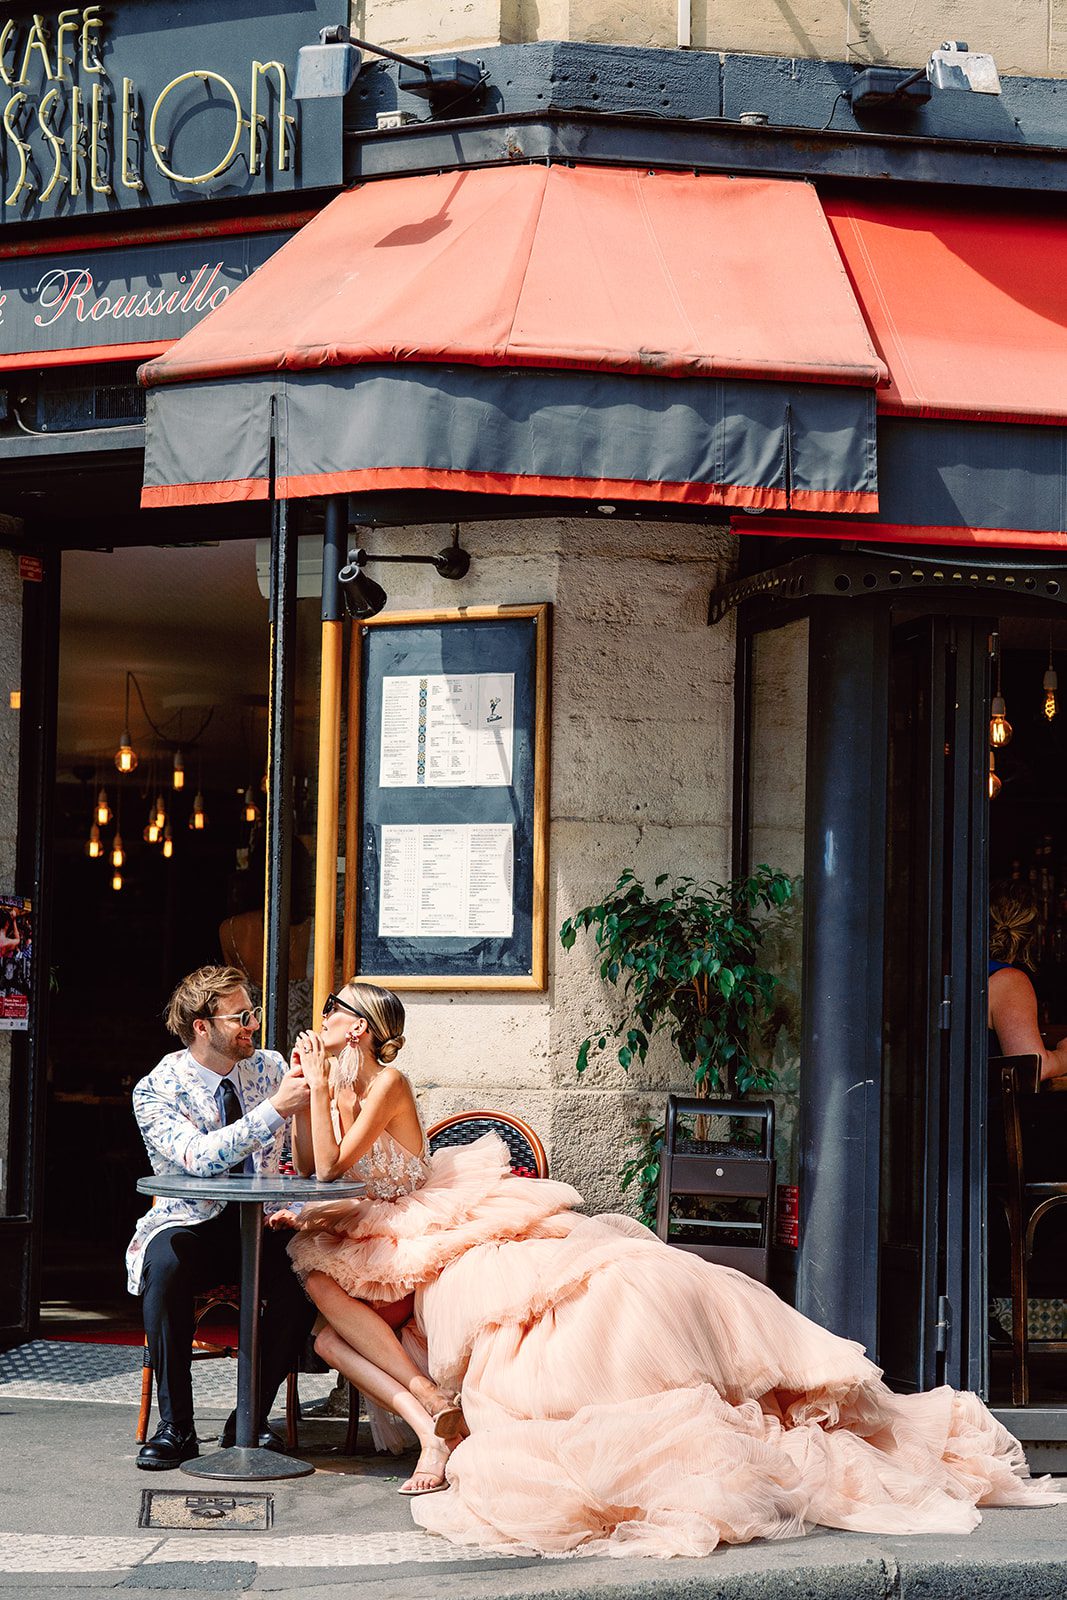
94 115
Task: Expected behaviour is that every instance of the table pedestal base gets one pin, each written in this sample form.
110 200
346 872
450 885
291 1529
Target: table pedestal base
249 1463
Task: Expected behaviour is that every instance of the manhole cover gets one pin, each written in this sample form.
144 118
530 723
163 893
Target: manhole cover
174 1508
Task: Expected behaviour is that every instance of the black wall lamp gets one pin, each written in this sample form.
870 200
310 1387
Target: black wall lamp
364 598
954 66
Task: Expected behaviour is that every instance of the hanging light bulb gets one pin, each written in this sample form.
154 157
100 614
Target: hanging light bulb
1051 684
160 813
198 820
93 848
118 854
179 770
999 726
103 810
126 755
168 842
153 832
1000 729
994 781
251 809
116 881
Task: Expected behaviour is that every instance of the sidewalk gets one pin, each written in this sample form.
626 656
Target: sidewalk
70 1497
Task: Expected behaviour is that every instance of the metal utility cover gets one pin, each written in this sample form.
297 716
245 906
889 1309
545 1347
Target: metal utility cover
179 1508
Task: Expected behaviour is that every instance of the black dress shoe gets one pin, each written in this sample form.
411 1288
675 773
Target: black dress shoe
168 1447
266 1440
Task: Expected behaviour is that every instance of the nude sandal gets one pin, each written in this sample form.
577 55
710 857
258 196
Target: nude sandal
434 1488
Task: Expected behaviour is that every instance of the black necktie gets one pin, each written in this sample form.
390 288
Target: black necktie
231 1111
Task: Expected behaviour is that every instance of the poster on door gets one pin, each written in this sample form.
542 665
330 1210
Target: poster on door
16 962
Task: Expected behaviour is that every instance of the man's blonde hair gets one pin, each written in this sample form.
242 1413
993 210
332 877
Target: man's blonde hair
198 995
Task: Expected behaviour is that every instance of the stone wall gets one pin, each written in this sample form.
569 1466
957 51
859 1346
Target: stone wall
1025 36
641 771
10 674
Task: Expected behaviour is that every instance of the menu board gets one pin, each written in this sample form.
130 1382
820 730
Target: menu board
448 763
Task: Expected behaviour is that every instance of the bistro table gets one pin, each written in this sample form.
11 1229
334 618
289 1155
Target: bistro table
245 1459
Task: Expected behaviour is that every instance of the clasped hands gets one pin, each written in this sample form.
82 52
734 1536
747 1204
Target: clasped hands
308 1069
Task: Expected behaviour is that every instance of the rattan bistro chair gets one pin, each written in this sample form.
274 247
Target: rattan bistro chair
1026 1202
528 1158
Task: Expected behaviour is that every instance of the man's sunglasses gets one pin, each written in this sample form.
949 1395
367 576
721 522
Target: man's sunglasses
243 1017
333 1001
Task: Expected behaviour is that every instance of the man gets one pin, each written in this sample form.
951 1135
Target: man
216 1105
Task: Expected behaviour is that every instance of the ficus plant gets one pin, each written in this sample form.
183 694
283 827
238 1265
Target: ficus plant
686 962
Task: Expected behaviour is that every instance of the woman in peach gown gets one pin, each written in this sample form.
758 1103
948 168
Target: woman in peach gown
621 1396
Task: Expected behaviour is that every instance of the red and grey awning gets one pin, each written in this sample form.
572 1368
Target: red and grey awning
556 331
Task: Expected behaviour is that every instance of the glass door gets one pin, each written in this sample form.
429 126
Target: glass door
932 1208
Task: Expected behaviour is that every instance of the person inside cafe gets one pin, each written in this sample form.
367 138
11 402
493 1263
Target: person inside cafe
1013 1020
216 1105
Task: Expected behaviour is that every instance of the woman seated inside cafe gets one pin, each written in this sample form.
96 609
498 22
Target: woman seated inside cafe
1013 1024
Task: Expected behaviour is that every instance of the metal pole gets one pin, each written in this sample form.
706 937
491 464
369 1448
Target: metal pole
248 1401
331 672
283 555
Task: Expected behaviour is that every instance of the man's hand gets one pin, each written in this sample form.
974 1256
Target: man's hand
292 1094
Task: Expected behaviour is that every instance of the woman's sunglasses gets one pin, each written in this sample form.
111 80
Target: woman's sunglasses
333 1001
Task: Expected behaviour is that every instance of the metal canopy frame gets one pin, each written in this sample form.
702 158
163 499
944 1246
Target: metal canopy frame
866 573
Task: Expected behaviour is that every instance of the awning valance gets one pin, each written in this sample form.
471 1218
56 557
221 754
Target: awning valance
531 330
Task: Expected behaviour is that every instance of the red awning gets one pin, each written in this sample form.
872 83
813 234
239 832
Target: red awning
966 302
531 266
534 330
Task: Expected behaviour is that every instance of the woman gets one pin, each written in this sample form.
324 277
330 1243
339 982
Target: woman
621 1396
1013 1025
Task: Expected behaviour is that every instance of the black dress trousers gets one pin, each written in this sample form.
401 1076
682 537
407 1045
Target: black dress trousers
182 1262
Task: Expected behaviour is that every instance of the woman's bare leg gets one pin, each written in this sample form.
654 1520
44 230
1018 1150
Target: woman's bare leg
394 1396
369 1336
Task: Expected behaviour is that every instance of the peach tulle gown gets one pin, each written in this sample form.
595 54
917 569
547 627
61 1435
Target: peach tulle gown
627 1398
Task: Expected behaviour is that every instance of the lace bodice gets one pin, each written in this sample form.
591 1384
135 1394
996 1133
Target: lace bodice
389 1170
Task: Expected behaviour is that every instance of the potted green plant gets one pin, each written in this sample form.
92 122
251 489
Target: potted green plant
686 962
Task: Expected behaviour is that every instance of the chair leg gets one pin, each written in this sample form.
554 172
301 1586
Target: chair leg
292 1412
351 1443
146 1402
1020 1334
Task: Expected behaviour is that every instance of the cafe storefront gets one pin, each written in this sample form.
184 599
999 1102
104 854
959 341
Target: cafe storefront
501 332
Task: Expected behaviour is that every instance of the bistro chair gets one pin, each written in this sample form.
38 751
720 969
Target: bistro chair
720 1168
528 1158
1026 1202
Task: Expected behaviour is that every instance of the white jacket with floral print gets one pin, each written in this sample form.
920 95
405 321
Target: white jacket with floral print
183 1131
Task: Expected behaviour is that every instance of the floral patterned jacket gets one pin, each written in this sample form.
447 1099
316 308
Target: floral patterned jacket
183 1131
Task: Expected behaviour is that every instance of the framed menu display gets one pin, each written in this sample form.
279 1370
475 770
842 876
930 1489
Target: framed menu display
447 799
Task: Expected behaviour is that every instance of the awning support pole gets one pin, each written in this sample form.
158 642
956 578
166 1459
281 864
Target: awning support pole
329 775
283 553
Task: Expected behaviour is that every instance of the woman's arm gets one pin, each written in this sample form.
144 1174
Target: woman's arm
1013 1018
387 1096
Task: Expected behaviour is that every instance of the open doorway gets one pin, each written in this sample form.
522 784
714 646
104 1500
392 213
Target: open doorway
149 864
1028 873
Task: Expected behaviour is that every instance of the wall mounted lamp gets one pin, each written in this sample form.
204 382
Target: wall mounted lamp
364 598
954 66
327 70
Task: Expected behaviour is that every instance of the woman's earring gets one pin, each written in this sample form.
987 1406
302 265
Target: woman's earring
352 1035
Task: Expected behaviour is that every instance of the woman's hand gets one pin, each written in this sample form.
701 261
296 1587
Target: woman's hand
282 1219
309 1053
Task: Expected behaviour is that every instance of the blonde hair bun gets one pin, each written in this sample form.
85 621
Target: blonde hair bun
389 1049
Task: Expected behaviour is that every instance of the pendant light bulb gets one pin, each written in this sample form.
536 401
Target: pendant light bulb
160 817
103 810
1051 685
994 781
1000 729
118 854
152 831
168 843
125 755
251 809
116 881
93 848
179 771
198 820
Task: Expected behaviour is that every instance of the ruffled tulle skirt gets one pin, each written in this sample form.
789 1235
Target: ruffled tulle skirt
625 1397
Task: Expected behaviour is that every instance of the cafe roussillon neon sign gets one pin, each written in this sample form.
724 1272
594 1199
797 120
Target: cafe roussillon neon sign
69 128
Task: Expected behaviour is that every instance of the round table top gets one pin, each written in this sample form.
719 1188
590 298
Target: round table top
243 1189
